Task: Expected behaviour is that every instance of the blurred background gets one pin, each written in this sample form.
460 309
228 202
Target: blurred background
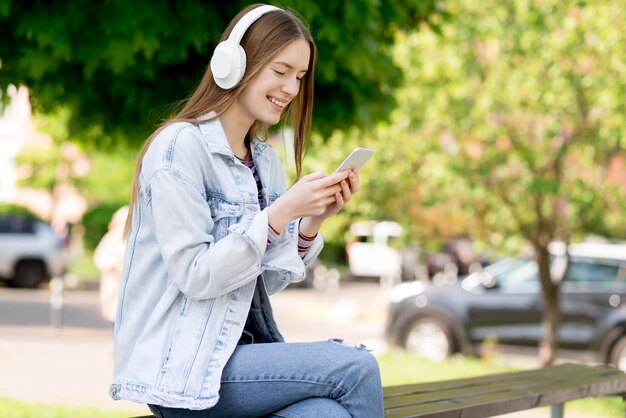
497 184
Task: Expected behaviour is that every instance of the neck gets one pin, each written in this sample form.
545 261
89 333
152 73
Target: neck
236 128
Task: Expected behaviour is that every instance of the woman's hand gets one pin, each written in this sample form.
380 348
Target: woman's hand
311 196
309 226
349 187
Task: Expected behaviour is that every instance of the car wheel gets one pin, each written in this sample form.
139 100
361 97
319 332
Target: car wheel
29 274
429 338
618 354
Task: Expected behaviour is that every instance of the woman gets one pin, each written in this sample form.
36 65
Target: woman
108 257
213 232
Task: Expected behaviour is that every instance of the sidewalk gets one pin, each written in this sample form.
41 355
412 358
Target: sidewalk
70 368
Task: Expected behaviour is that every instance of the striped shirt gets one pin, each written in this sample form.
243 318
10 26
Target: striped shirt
304 242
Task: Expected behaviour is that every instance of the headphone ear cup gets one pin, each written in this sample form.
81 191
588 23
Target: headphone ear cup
228 64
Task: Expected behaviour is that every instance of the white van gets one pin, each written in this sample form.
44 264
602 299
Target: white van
369 252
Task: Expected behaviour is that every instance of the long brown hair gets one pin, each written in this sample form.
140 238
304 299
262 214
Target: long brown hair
263 39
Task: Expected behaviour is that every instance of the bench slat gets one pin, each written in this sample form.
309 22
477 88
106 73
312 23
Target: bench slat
472 406
497 383
566 370
502 393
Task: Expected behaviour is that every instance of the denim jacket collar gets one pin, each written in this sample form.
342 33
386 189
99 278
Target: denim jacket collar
217 142
214 134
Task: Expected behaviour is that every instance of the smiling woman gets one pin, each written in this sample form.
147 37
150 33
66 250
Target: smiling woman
213 230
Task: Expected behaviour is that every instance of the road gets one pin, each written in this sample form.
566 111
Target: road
72 364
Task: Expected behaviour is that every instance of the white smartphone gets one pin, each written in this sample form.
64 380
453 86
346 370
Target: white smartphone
357 159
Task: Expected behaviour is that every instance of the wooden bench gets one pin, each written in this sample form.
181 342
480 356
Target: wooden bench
497 394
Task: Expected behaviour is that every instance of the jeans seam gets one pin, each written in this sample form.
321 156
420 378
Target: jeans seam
333 386
284 379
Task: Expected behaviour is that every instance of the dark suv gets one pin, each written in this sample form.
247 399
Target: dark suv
30 251
503 303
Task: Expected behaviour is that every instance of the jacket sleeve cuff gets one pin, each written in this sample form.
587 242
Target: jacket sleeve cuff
282 256
253 228
314 250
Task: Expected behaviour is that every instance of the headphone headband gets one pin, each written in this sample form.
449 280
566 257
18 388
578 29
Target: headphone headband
248 19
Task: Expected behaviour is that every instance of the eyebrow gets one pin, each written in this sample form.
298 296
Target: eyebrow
289 66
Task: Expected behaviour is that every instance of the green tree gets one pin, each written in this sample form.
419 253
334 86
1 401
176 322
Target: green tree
119 64
515 110
56 165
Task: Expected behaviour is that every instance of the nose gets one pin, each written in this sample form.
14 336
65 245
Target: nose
291 86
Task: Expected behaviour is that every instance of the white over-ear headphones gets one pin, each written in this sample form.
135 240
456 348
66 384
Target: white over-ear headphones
228 63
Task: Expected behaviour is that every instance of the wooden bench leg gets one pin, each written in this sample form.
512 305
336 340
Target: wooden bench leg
557 410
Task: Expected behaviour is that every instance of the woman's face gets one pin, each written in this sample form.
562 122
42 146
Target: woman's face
276 84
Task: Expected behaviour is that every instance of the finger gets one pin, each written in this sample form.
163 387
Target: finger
333 178
331 200
345 190
314 176
340 201
354 181
331 190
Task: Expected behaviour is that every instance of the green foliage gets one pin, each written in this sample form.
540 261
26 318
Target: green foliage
119 65
11 209
96 223
110 177
517 113
58 162
41 162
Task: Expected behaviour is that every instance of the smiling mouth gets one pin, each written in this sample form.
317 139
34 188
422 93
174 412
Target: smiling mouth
277 102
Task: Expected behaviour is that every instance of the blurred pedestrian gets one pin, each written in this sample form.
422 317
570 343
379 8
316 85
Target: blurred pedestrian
213 230
109 259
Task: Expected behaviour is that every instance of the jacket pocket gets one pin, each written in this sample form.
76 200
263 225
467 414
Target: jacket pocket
184 345
272 197
224 214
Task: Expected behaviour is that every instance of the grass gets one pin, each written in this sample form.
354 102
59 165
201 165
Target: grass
11 408
397 367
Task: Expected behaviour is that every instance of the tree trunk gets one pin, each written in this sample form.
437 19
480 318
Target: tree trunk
551 316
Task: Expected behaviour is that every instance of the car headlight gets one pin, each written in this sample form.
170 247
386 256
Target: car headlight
404 290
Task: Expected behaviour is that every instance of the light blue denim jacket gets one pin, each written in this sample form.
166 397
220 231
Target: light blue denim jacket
197 244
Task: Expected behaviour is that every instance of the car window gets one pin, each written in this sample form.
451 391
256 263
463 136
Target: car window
525 272
590 270
16 225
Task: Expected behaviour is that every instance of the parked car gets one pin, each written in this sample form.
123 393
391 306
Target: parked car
369 253
503 303
31 252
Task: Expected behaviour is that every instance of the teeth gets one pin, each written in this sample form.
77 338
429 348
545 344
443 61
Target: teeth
278 103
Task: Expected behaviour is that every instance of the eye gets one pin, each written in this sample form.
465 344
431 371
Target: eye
279 72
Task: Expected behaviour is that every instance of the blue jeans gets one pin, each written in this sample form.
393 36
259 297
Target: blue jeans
296 380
